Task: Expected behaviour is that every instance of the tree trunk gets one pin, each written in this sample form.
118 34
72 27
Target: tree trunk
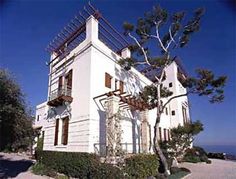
157 148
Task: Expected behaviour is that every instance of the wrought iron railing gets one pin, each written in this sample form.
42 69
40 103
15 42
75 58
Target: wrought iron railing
62 91
101 148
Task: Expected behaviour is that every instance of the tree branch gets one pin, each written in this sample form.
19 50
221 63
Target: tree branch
171 38
169 100
144 53
158 36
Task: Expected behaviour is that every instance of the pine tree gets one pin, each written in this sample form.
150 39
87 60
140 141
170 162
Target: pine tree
146 33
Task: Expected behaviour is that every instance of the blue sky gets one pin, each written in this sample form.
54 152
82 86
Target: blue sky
26 28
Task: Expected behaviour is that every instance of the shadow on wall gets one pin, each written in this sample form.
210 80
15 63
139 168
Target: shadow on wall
132 83
9 168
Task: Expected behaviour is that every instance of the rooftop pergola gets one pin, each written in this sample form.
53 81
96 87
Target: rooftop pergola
75 32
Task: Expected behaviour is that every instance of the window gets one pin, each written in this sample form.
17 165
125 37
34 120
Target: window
68 79
173 113
65 126
168 134
160 137
170 85
121 86
60 83
56 132
166 111
37 117
116 81
184 112
108 80
165 135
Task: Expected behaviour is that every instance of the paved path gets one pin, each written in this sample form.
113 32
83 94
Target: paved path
16 166
218 169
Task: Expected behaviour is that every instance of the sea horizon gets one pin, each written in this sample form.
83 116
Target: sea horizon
228 149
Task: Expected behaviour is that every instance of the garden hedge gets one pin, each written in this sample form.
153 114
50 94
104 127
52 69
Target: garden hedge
85 165
77 164
141 166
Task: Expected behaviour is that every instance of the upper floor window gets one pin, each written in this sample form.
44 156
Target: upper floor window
121 86
170 85
173 113
108 78
37 117
184 112
166 111
68 79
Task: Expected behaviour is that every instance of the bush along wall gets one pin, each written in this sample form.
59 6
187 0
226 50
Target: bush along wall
79 165
141 166
85 165
195 155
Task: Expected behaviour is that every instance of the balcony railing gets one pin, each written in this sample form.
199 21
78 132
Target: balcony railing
60 95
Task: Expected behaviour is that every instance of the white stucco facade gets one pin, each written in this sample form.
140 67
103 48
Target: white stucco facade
89 62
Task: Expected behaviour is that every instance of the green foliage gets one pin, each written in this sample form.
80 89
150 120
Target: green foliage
206 84
107 171
141 166
178 173
81 165
182 137
69 163
195 155
39 144
126 63
41 169
15 120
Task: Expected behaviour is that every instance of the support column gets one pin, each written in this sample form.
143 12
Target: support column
144 131
91 29
112 126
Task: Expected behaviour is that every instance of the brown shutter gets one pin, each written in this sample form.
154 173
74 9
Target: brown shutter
108 80
65 131
164 134
121 86
69 83
160 137
56 132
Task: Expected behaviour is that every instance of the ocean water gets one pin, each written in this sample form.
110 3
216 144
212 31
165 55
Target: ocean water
228 149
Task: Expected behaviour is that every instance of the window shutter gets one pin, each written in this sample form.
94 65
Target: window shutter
160 137
108 80
69 83
168 134
164 134
121 86
65 131
56 132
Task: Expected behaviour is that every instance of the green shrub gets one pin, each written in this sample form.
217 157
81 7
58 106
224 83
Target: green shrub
141 166
41 169
174 170
108 171
40 144
73 164
195 155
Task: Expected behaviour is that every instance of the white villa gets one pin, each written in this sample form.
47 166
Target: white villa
91 105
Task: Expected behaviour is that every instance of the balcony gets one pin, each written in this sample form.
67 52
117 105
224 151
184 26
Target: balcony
59 96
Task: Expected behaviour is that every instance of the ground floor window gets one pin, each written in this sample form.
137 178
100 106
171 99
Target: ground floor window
61 129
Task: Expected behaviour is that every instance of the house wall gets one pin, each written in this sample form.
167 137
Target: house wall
87 125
